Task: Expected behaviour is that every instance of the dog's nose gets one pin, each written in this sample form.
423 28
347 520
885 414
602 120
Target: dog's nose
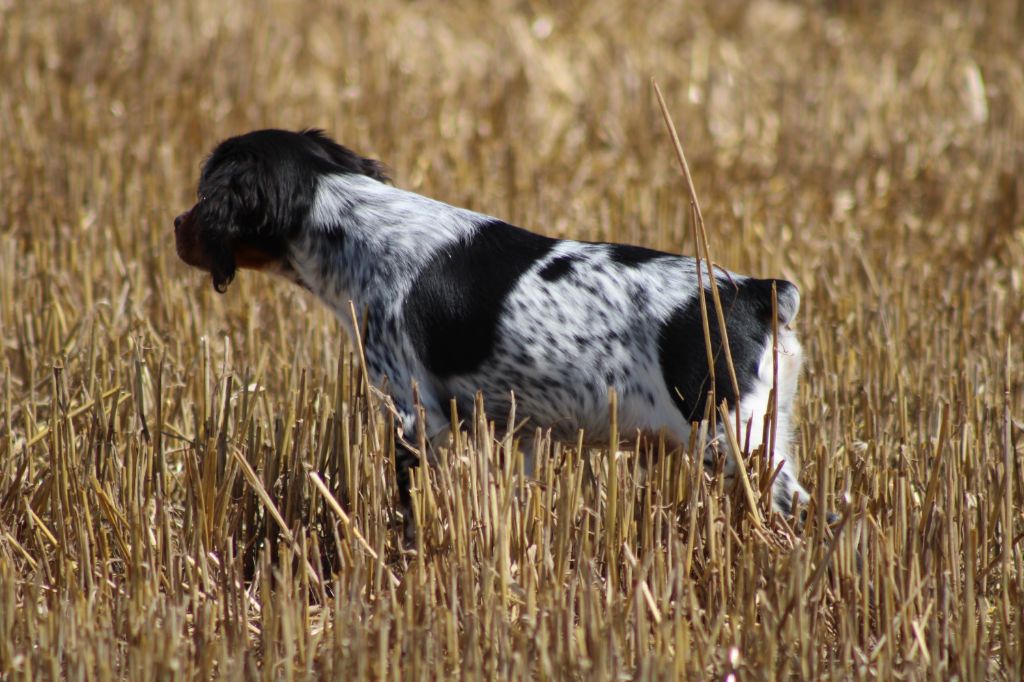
178 220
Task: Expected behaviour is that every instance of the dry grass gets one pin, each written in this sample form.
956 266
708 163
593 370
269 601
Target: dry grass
194 486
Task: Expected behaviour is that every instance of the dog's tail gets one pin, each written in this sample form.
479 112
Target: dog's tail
787 298
757 294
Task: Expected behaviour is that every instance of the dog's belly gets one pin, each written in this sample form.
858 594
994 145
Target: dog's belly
587 411
569 392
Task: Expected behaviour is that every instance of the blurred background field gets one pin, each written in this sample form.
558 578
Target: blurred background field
196 486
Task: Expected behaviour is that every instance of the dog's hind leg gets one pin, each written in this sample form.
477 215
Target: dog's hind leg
759 427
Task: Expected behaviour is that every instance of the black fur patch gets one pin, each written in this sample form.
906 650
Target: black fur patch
631 256
456 301
556 269
683 357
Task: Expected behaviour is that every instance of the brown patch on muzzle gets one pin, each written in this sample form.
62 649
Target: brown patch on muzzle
187 241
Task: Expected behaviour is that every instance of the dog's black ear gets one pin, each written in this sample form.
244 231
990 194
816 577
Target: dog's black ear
247 210
346 159
234 188
218 257
222 264
228 209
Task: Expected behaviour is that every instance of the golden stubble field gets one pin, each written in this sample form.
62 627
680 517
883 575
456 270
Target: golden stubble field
197 486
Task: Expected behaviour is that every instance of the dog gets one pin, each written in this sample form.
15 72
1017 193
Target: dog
458 302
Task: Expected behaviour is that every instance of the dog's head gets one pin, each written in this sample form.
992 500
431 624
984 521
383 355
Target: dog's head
255 194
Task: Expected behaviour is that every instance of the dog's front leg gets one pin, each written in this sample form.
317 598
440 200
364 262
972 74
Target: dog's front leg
408 456
405 459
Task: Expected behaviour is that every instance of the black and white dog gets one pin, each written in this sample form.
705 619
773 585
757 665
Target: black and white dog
460 302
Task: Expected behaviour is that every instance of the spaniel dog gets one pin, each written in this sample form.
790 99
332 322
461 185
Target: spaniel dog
457 302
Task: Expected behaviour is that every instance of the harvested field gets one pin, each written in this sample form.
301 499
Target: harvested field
198 486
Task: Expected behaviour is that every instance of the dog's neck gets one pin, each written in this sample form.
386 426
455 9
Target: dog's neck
365 241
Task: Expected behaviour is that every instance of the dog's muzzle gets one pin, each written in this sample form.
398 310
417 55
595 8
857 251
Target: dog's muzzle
186 242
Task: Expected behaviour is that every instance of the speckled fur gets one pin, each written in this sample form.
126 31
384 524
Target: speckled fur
560 344
458 302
